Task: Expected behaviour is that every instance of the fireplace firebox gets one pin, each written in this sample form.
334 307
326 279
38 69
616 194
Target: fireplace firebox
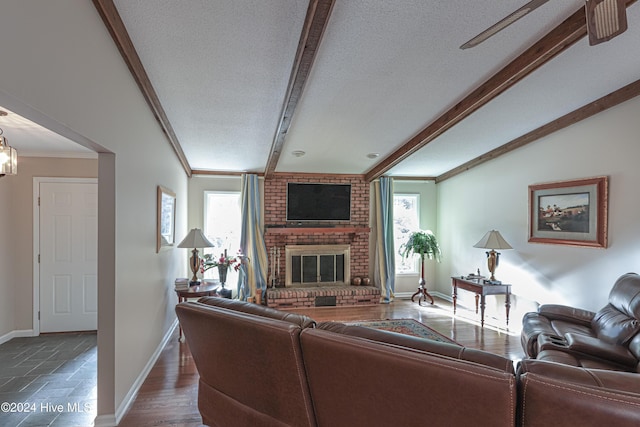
317 265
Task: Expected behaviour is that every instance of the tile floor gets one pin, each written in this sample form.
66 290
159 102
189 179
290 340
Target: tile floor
49 380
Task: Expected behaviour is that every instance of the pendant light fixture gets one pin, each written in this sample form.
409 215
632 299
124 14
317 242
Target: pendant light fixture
8 155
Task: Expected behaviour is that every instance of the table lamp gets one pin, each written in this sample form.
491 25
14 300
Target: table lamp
195 239
492 240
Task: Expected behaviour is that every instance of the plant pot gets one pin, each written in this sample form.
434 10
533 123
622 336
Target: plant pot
356 281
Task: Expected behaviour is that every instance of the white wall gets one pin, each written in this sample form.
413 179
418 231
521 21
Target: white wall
66 73
495 195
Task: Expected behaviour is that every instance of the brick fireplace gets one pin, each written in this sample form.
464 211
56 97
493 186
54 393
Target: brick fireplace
354 233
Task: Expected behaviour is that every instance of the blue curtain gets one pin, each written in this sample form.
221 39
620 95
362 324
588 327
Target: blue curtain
384 261
253 272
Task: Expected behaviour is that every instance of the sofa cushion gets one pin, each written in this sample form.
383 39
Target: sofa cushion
600 349
613 326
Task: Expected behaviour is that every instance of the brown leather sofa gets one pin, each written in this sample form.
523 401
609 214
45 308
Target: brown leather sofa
608 339
263 367
260 366
583 367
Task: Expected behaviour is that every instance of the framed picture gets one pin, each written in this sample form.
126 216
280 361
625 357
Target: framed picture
166 218
569 212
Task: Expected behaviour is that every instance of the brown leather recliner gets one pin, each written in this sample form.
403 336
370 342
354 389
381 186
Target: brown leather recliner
608 339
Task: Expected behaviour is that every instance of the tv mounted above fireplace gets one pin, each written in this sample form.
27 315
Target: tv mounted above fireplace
318 202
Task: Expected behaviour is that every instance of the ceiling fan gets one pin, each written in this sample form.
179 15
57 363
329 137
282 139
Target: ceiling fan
605 20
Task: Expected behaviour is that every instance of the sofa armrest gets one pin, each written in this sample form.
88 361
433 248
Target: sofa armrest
566 313
533 325
596 347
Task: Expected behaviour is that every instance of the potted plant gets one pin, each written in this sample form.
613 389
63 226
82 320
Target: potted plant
425 244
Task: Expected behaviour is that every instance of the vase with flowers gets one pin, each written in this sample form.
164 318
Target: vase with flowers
223 263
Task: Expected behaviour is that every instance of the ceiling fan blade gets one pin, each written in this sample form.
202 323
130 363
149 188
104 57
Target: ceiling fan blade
503 23
605 19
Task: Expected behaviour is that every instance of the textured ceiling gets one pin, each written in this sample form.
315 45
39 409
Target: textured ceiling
383 72
221 69
31 139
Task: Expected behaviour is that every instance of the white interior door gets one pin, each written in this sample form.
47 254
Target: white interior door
68 256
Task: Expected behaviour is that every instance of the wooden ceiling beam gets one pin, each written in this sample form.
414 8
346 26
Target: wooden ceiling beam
552 44
615 98
545 49
315 23
111 18
208 172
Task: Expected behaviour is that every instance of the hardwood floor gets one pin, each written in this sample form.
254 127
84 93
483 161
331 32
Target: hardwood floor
169 395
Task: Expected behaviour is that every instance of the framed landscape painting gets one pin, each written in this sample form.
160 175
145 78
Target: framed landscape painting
569 212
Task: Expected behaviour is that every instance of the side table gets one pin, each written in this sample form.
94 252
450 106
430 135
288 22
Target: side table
481 289
202 290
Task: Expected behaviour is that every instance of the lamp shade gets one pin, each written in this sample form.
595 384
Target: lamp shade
195 239
492 240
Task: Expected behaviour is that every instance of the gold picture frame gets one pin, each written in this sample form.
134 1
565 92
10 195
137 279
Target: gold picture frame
569 212
166 219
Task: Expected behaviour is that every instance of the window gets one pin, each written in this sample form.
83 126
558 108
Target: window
406 208
222 224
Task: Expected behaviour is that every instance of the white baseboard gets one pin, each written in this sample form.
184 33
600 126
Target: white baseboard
105 421
112 420
446 297
407 295
16 334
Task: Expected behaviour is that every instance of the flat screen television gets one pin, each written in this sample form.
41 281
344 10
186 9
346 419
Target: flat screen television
318 202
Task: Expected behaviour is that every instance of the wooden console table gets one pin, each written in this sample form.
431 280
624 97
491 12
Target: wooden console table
481 289
194 292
